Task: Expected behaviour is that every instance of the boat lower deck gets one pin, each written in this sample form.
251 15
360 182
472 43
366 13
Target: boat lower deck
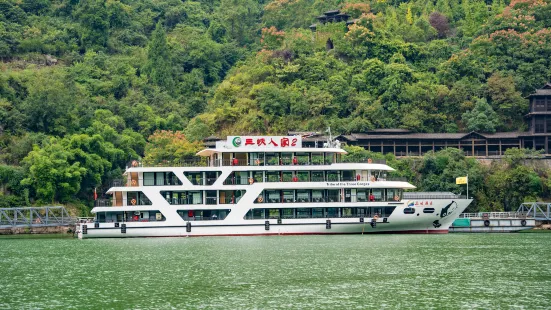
492 222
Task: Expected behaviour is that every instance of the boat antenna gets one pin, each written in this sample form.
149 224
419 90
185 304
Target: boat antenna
330 140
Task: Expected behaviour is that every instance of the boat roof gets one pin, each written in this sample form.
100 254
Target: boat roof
290 144
208 152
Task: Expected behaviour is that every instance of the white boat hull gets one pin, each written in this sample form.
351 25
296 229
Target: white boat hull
397 222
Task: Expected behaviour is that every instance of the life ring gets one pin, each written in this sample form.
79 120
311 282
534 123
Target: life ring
369 161
487 223
260 199
133 201
396 198
134 183
523 222
251 180
134 163
257 162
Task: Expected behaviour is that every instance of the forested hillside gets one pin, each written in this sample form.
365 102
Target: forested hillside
87 85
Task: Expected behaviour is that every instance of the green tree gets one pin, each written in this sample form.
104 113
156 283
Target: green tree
481 118
95 23
159 59
50 175
170 146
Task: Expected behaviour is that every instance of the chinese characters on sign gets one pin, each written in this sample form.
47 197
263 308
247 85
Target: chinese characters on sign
264 142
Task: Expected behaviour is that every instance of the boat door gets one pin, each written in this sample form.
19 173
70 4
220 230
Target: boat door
365 176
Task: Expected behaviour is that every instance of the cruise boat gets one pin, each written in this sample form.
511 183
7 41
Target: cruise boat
268 185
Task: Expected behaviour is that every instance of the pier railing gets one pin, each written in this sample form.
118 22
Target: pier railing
493 215
35 217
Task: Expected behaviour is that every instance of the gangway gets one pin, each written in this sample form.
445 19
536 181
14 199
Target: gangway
541 211
35 217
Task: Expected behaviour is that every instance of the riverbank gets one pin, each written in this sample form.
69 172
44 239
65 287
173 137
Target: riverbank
36 230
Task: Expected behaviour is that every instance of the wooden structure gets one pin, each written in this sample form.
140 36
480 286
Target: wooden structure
403 142
333 16
539 120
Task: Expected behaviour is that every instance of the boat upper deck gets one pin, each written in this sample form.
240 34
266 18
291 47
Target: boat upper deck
255 152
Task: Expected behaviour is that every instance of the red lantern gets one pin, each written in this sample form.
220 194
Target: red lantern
357 177
295 179
295 161
235 161
190 213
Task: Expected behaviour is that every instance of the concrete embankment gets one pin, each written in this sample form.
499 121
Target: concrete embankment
36 230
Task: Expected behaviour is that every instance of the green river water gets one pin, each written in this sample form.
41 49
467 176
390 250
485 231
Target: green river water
454 271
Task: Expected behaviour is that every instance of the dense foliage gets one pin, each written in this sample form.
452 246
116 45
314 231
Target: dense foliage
85 84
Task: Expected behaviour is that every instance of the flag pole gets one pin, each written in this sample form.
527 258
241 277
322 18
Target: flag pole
467 186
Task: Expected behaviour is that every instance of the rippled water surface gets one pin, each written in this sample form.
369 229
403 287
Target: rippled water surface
376 271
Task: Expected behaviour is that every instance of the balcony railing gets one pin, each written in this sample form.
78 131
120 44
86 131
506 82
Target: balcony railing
103 203
236 181
194 162
271 178
413 196
324 199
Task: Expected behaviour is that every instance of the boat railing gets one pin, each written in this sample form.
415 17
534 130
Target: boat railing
362 160
191 162
323 199
103 203
236 181
432 197
117 183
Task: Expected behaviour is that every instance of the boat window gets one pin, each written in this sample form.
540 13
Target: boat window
286 158
272 159
256 159
300 213
130 216
333 195
203 215
288 196
160 178
273 213
317 212
317 159
348 175
303 176
332 176
304 212
287 213
378 194
273 197
303 196
272 176
257 175
287 176
428 210
346 212
148 178
409 210
137 199
317 176
332 212
303 158
392 194
361 195
317 195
